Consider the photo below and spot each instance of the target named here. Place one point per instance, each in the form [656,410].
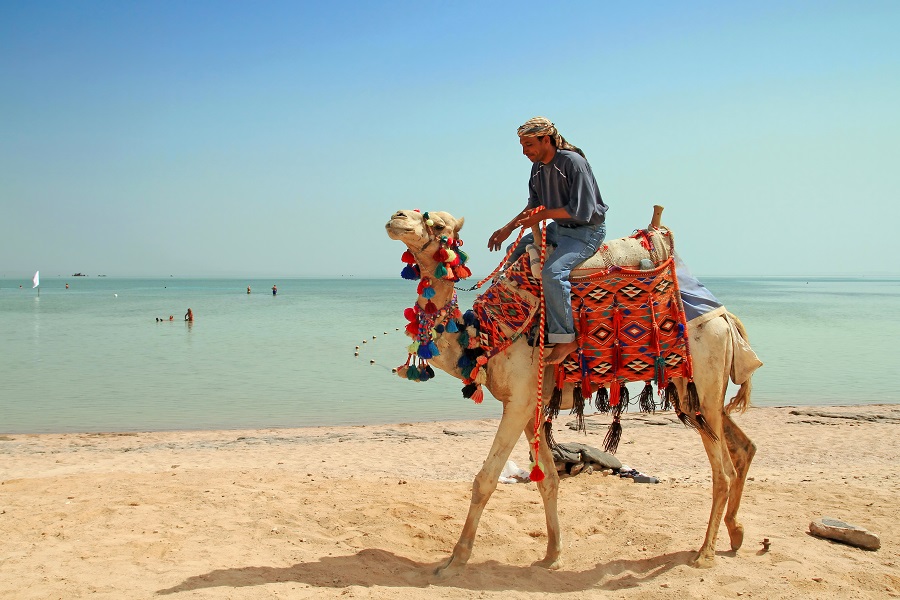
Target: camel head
[422,238]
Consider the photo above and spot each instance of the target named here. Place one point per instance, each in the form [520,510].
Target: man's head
[540,140]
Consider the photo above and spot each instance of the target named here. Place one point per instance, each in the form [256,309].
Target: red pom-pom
[478,397]
[423,283]
[410,314]
[430,308]
[408,257]
[536,474]
[440,255]
[412,328]
[462,271]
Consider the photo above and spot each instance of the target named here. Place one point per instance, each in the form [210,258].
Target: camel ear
[459,225]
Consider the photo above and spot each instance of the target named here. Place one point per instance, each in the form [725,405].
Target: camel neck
[443,294]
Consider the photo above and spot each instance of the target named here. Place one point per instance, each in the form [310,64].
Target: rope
[539,408]
[502,264]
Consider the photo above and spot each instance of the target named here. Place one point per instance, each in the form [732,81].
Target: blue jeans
[575,246]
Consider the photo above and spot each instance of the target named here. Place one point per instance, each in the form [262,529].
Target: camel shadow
[376,567]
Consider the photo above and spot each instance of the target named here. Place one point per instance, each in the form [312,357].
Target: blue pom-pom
[428,292]
[469,318]
[439,328]
[432,347]
[451,326]
[424,351]
[409,272]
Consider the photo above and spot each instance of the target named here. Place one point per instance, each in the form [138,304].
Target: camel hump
[655,245]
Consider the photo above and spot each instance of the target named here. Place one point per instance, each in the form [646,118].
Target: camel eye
[438,226]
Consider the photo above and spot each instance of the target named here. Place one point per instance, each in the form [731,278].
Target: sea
[113,354]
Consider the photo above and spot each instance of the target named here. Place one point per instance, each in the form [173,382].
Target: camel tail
[741,401]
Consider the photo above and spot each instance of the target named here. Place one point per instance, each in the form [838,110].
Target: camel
[512,378]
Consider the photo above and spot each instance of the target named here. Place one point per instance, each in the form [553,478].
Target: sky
[275,139]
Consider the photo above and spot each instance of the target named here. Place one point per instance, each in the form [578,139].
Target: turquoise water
[94,358]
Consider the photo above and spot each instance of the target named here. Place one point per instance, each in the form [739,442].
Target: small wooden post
[657,216]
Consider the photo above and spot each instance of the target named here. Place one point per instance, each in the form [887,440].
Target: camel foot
[736,534]
[449,568]
[551,564]
[704,560]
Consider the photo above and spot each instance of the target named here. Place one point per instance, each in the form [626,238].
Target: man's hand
[498,237]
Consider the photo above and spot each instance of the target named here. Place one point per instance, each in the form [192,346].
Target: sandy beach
[369,511]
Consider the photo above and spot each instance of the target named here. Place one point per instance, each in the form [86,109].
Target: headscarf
[541,126]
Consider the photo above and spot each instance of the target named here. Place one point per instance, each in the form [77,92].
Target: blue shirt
[567,182]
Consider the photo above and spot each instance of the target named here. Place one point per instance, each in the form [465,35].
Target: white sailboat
[37,281]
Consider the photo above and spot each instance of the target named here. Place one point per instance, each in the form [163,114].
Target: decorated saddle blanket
[631,323]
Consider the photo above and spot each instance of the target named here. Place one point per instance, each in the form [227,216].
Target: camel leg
[511,425]
[722,475]
[549,488]
[741,450]
[711,352]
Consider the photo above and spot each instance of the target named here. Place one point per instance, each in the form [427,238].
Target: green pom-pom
[440,271]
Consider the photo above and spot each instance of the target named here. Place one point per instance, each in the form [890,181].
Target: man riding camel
[562,184]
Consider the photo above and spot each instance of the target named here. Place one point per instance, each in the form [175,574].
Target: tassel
[423,372]
[410,314]
[548,435]
[470,318]
[624,398]
[428,293]
[412,328]
[536,473]
[601,400]
[409,272]
[440,271]
[463,257]
[412,373]
[452,259]
[424,351]
[664,402]
[451,326]
[692,401]
[430,372]
[478,396]
[552,408]
[645,400]
[408,257]
[440,255]
[430,308]
[432,347]
[614,393]
[578,408]
[672,396]
[613,436]
[462,271]
[468,390]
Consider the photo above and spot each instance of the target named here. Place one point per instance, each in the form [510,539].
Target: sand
[368,512]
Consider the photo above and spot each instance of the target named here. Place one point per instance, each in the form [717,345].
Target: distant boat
[79,275]
[37,281]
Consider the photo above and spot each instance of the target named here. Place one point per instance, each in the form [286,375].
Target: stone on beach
[840,531]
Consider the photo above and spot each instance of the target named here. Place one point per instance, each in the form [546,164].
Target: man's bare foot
[560,352]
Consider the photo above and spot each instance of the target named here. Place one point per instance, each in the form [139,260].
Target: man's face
[538,148]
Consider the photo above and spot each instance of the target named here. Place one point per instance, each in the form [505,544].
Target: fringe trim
[645,400]
[578,408]
[601,400]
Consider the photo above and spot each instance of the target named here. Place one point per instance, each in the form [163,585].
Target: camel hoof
[704,561]
[551,564]
[448,569]
[736,534]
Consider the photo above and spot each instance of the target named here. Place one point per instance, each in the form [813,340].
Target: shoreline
[368,510]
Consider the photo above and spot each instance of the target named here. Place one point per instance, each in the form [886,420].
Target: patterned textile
[631,323]
[505,311]
[631,327]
